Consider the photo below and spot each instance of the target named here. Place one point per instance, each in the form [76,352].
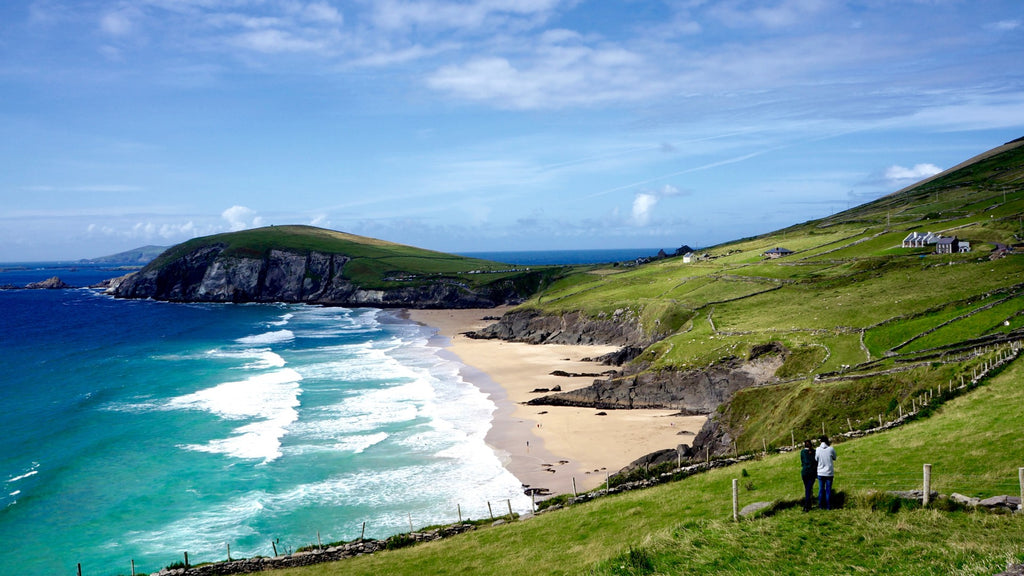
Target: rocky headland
[209,274]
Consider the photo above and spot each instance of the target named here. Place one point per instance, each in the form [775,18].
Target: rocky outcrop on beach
[622,328]
[207,274]
[698,391]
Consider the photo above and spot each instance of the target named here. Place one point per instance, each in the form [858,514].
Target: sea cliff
[209,274]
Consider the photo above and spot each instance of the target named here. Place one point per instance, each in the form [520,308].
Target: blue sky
[484,124]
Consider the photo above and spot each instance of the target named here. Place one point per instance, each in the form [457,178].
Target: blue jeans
[825,492]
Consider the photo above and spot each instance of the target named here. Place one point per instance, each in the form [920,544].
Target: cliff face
[207,275]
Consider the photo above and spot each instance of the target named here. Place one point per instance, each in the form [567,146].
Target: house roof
[778,250]
[947,240]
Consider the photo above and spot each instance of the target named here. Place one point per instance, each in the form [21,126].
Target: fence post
[133,564]
[489,510]
[410,522]
[318,543]
[574,494]
[735,500]
[927,484]
[792,438]
[274,544]
[363,533]
[607,482]
[1020,474]
[459,508]
[509,501]
[228,544]
[79,569]
[186,560]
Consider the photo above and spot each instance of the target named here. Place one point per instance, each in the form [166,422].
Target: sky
[484,125]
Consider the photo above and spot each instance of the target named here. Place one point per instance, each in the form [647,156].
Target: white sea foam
[267,338]
[28,474]
[269,399]
[283,321]
[355,444]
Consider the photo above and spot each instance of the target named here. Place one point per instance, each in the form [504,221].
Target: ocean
[136,430]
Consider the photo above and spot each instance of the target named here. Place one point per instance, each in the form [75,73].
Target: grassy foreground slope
[869,325]
[972,442]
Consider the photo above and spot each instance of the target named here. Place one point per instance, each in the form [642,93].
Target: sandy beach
[549,446]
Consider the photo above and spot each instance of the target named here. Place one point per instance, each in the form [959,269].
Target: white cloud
[555,75]
[241,218]
[643,203]
[1005,25]
[117,23]
[896,174]
[394,14]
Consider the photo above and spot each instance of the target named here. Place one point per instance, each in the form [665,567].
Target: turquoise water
[139,430]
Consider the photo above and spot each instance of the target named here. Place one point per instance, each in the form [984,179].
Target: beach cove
[549,446]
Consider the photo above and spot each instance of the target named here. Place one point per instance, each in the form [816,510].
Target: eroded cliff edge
[208,274]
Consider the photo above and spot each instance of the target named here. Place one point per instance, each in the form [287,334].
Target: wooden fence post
[607,482]
[509,501]
[186,560]
[489,510]
[363,533]
[574,494]
[228,544]
[318,543]
[79,569]
[735,500]
[274,544]
[927,484]
[410,522]
[459,508]
[133,564]
[1020,474]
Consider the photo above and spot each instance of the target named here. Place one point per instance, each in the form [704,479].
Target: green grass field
[684,527]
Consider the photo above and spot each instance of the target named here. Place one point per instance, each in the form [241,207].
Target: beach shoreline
[550,447]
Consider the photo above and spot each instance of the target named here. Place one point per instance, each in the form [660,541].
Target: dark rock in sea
[52,283]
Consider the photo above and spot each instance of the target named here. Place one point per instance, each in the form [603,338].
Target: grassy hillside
[972,442]
[374,263]
[850,300]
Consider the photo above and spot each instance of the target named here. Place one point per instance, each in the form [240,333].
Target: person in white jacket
[825,455]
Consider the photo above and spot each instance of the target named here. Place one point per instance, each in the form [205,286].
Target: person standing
[808,472]
[825,456]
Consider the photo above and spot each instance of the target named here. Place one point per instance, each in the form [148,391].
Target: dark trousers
[808,491]
[825,492]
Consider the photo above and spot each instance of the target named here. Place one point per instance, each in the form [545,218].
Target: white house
[920,239]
